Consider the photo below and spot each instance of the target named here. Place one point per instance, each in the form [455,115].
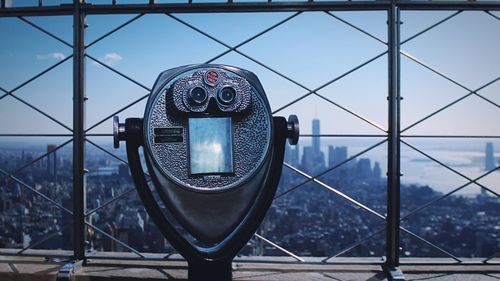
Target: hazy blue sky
[312,48]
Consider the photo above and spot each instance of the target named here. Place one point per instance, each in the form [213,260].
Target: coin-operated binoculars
[214,153]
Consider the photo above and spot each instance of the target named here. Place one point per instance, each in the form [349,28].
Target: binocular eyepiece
[225,97]
[209,92]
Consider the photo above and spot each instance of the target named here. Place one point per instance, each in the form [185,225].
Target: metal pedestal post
[208,270]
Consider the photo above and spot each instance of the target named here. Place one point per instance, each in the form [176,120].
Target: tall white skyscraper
[316,140]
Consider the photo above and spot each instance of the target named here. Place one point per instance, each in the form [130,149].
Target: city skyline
[296,222]
[464,156]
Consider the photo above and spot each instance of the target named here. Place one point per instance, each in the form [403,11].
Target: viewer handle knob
[118,132]
[293,129]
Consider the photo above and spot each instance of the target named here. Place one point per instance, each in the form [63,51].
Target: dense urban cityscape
[305,218]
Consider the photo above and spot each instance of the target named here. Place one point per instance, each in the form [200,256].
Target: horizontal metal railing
[263,6]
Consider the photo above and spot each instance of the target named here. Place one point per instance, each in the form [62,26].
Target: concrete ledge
[100,268]
[36,270]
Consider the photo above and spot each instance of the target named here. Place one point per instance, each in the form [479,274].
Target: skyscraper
[364,168]
[377,171]
[292,155]
[295,156]
[52,161]
[489,158]
[123,171]
[313,159]
[316,140]
[288,153]
[489,162]
[336,155]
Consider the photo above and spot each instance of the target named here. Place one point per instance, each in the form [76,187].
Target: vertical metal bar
[78,131]
[393,163]
[2,4]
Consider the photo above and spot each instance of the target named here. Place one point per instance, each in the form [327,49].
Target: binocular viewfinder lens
[198,96]
[226,96]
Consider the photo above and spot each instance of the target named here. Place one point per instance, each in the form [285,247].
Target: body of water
[464,156]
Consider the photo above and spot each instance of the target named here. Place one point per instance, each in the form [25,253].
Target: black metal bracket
[204,262]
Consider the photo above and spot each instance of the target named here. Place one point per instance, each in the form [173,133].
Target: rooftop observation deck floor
[105,268]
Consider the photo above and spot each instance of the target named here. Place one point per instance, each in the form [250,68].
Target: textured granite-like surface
[250,145]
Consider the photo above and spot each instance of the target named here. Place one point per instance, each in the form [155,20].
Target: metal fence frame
[392,134]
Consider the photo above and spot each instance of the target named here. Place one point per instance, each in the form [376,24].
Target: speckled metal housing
[250,115]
